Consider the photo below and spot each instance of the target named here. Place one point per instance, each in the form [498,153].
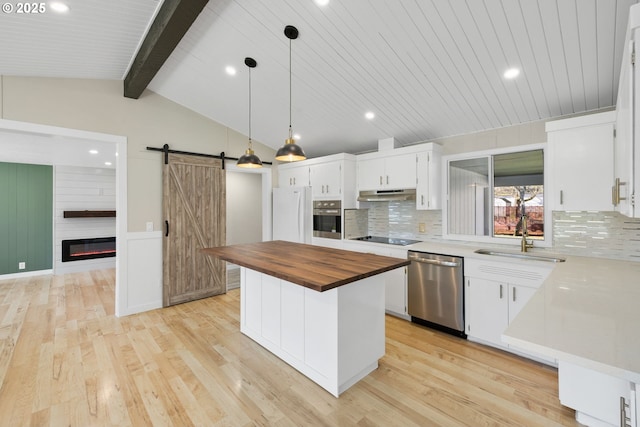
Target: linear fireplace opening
[80,249]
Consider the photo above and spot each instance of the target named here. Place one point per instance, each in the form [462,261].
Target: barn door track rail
[166,150]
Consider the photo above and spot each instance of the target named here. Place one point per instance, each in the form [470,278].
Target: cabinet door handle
[561,198]
[500,291]
[327,188]
[514,294]
[422,199]
[615,192]
[380,179]
[294,180]
[166,224]
[625,421]
[387,179]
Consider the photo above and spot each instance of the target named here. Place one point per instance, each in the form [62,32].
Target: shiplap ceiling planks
[426,68]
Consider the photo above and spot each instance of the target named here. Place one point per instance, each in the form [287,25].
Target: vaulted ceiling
[426,68]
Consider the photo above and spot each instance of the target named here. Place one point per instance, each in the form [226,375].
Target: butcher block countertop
[315,267]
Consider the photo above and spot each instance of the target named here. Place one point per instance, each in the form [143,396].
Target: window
[489,194]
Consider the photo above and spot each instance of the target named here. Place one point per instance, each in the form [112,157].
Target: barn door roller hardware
[166,150]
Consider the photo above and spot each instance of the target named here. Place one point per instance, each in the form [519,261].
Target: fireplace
[80,249]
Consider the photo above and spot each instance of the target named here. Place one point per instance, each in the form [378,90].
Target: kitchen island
[319,309]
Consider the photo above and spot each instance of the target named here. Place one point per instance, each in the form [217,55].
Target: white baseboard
[25,274]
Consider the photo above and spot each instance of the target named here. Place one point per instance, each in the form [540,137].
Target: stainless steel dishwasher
[436,291]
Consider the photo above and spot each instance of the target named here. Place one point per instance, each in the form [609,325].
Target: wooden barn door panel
[194,206]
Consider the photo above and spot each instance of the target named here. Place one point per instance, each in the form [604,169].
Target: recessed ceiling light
[93,151]
[59,7]
[230,70]
[322,3]
[369,115]
[107,163]
[296,136]
[511,73]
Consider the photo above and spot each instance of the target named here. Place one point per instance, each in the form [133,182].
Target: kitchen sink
[520,255]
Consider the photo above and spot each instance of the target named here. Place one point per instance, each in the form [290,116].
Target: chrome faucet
[524,244]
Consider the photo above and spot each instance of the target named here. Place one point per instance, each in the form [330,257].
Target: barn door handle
[166,226]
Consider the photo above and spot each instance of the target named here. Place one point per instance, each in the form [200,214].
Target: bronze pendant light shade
[249,159]
[290,151]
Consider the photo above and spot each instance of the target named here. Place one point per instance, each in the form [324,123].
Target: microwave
[327,219]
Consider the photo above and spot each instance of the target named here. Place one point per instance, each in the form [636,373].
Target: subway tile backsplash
[598,234]
[583,233]
[402,220]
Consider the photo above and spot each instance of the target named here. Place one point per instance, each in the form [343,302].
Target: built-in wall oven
[327,219]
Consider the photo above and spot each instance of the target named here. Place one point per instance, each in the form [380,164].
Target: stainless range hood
[387,195]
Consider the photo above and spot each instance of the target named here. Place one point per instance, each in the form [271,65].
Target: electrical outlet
[149,226]
[422,228]
[22,265]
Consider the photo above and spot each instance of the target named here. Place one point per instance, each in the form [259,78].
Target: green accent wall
[26,217]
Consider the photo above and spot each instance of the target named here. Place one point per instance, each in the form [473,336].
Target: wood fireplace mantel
[89,214]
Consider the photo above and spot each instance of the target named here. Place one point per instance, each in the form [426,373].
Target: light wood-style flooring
[66,360]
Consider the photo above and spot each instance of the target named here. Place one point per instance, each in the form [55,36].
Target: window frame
[446,160]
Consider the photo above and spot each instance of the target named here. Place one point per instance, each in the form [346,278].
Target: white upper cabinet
[293,176]
[386,171]
[429,188]
[326,180]
[626,148]
[580,154]
[330,177]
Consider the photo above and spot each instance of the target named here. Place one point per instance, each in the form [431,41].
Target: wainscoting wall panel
[144,273]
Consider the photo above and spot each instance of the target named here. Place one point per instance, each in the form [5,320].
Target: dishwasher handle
[418,258]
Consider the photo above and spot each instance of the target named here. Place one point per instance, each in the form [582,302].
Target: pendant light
[290,152]
[249,159]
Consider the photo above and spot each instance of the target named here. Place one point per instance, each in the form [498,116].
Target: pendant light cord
[250,107]
[290,102]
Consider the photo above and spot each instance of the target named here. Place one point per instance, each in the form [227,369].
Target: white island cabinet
[334,337]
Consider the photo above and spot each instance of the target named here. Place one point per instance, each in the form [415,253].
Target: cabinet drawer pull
[561,198]
[500,291]
[514,294]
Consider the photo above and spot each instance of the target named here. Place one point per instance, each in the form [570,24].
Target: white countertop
[586,312]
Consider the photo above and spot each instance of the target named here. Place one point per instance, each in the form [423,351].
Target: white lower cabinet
[600,400]
[493,306]
[495,292]
[327,243]
[395,281]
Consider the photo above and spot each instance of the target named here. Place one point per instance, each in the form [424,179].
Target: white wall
[244,208]
[79,189]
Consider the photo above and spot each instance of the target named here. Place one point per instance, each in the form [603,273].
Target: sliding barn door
[194,206]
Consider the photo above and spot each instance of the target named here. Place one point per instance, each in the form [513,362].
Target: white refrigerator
[292,214]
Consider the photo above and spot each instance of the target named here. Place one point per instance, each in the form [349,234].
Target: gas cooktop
[387,240]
